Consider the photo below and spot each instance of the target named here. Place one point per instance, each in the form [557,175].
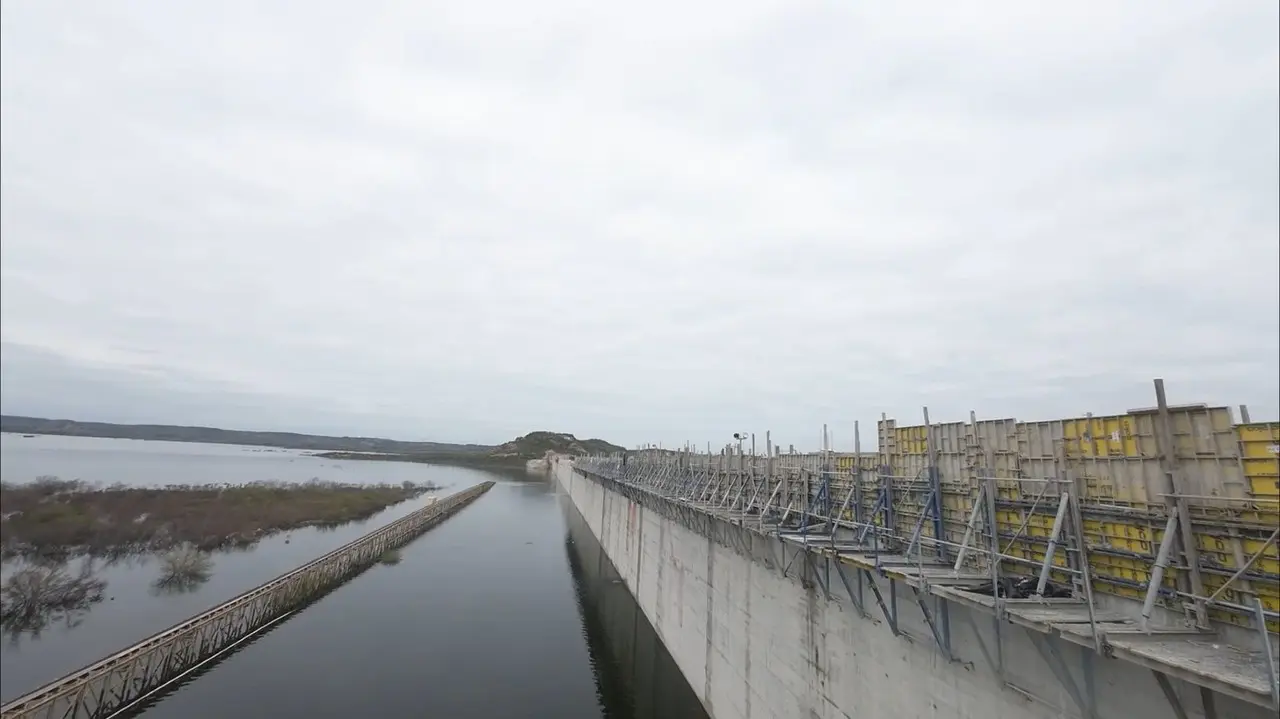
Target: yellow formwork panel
[1101,437]
[866,461]
[912,439]
[1121,535]
[1242,594]
[1260,457]
[1224,550]
[1264,486]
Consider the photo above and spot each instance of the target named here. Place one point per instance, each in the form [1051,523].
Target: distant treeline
[211,435]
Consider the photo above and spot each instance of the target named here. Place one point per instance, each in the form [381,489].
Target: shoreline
[469,458]
[461,459]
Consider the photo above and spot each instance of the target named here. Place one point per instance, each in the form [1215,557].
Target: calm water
[508,609]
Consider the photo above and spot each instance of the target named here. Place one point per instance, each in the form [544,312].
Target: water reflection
[636,677]
[38,594]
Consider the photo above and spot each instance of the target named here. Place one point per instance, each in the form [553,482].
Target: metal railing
[122,680]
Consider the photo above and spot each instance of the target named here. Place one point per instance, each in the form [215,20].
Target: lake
[508,609]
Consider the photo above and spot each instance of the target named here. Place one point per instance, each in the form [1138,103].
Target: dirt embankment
[52,517]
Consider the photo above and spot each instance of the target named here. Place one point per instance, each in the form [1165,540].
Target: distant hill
[210,435]
[515,453]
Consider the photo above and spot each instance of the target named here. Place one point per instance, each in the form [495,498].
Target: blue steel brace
[875,512]
[821,499]
[917,530]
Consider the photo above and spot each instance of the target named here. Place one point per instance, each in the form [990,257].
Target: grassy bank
[53,517]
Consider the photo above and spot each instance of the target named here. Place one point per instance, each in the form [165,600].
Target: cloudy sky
[664,221]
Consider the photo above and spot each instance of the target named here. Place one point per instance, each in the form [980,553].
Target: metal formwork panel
[992,450]
[1039,449]
[997,446]
[887,441]
[1208,450]
[953,444]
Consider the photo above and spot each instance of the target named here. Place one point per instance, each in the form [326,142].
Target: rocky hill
[536,445]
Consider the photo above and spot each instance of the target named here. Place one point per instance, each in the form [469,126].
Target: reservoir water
[508,609]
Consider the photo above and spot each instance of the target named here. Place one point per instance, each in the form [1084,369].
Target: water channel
[508,609]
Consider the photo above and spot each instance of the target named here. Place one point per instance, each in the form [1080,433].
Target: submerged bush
[183,570]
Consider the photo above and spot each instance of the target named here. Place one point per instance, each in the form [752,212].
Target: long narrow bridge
[118,682]
[1118,566]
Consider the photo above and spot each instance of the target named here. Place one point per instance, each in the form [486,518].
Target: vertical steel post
[935,484]
[994,568]
[1175,501]
[857,475]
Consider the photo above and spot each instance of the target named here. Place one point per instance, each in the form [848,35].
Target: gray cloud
[465,221]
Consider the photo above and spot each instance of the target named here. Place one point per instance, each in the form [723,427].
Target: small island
[51,517]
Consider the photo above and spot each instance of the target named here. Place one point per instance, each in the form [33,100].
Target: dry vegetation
[53,517]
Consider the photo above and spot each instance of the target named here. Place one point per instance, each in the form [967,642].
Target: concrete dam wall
[635,674]
[762,626]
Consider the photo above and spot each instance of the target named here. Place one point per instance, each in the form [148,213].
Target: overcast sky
[463,221]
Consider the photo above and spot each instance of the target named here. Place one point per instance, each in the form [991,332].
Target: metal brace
[1053,658]
[944,646]
[854,596]
[891,617]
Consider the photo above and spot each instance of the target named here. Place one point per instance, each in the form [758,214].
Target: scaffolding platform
[1195,656]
